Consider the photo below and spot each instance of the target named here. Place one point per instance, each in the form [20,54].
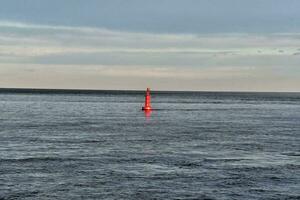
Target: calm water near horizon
[195,145]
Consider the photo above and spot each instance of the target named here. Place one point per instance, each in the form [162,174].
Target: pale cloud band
[82,57]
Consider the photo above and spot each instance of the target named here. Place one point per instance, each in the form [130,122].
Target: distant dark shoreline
[91,91]
[63,91]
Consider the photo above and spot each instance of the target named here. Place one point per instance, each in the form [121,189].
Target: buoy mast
[147,106]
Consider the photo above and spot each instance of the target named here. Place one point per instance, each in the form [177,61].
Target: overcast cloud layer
[43,51]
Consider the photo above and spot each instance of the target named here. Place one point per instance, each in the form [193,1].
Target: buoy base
[146,108]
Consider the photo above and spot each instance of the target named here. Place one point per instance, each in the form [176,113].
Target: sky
[199,45]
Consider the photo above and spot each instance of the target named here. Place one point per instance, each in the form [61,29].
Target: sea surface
[194,145]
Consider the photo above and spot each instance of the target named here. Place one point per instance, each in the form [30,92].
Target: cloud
[66,53]
[44,44]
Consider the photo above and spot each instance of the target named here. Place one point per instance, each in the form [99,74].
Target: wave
[38,159]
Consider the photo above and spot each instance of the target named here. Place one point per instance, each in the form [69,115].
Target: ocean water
[195,145]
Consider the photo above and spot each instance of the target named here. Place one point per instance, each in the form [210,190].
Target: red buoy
[147,106]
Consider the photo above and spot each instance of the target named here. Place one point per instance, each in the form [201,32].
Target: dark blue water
[100,145]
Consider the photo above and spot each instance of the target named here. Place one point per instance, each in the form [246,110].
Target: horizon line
[87,90]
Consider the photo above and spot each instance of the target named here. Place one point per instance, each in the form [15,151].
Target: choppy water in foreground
[100,145]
